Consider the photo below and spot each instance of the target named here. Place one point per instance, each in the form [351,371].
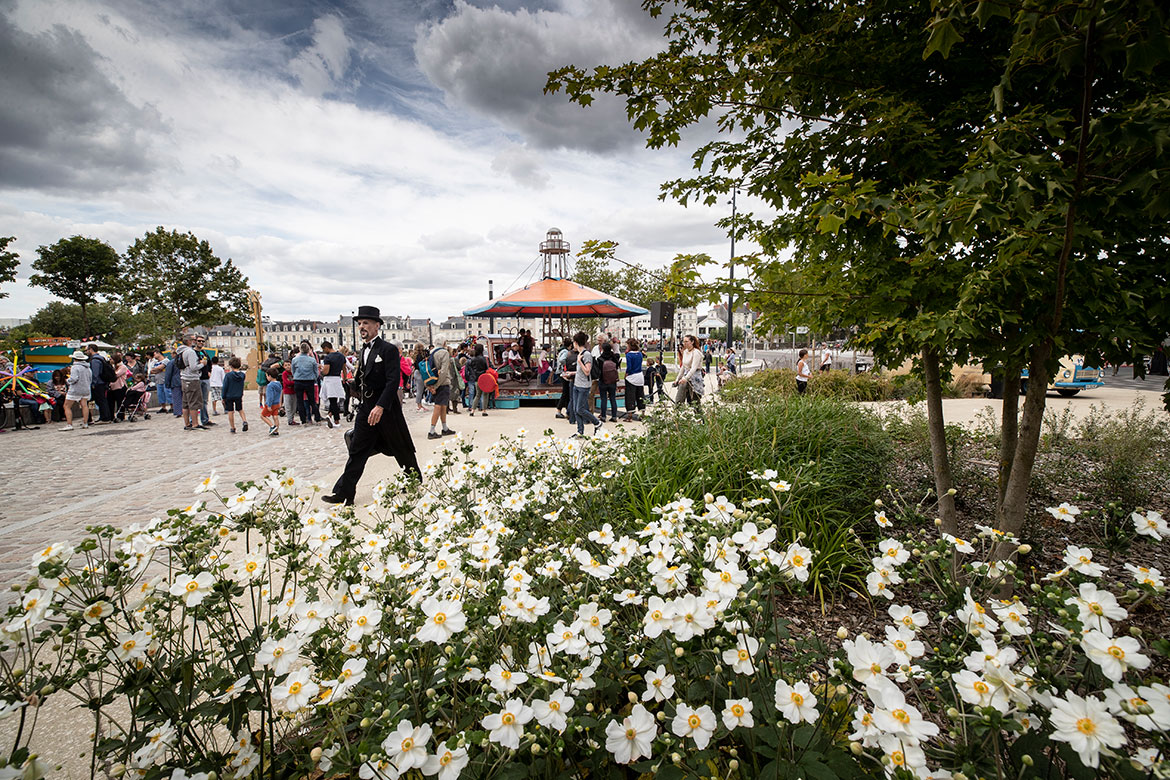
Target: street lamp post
[353,328]
[730,310]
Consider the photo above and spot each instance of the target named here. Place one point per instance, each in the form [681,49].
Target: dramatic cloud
[66,125]
[496,62]
[306,142]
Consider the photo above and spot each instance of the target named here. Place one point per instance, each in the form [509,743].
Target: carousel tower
[554,254]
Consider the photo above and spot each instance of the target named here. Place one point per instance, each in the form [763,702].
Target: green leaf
[830,223]
[943,36]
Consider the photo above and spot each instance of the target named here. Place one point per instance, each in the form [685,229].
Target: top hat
[368,313]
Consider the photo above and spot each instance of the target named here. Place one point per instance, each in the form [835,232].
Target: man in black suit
[380,426]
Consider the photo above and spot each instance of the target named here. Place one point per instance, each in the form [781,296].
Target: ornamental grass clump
[487,624]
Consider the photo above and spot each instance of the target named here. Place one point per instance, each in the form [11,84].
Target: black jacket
[376,382]
[379,376]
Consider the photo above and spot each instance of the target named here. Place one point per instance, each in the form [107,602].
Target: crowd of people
[314,385]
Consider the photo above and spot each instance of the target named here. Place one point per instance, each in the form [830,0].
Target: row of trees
[957,180]
[164,282]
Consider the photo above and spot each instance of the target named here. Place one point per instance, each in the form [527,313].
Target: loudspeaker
[662,315]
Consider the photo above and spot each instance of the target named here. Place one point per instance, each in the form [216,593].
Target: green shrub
[835,455]
[1130,448]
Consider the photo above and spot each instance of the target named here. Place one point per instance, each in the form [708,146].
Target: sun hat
[79,355]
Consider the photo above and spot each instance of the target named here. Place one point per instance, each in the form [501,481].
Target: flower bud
[1026,760]
[660,716]
[1135,631]
[855,748]
[633,697]
[951,491]
[536,748]
[952,712]
[315,754]
[842,633]
[1036,587]
[1024,549]
[679,652]
[938,521]
[675,758]
[733,765]
[365,724]
[409,663]
[878,503]
[589,707]
[1058,645]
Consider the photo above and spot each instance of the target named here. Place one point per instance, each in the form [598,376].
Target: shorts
[442,395]
[233,404]
[192,395]
[270,411]
[216,393]
[76,398]
[801,386]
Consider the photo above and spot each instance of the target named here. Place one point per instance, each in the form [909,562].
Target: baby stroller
[134,403]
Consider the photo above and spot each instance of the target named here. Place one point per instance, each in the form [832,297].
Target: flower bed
[490,625]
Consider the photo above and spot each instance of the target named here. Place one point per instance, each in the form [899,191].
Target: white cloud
[322,66]
[323,201]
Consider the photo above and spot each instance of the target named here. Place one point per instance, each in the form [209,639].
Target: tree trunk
[939,456]
[1009,430]
[1014,504]
[85,322]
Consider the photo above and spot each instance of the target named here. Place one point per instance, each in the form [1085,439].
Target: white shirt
[216,377]
[802,371]
[827,360]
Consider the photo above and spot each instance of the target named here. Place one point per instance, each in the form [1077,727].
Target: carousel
[554,300]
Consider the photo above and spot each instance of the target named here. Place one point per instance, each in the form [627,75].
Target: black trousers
[566,393]
[366,442]
[102,400]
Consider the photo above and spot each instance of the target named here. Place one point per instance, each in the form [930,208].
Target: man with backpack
[190,368]
[437,379]
[607,382]
[104,375]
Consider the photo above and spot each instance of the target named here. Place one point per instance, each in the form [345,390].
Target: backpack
[109,375]
[595,368]
[609,372]
[426,368]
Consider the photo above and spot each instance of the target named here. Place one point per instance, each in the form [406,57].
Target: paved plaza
[55,483]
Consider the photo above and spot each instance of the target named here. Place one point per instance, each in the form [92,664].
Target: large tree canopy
[78,269]
[956,179]
[177,281]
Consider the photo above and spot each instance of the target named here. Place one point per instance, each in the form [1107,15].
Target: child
[651,375]
[233,394]
[270,412]
[216,379]
[289,395]
[262,383]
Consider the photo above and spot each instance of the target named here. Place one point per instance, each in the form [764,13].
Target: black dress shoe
[336,499]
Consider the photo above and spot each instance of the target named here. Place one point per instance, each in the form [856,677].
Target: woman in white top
[690,372]
[826,359]
[803,372]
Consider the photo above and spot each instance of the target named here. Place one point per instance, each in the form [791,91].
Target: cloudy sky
[392,152]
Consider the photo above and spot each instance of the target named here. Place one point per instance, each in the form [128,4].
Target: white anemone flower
[893,551]
[974,690]
[505,680]
[739,658]
[444,619]
[691,618]
[406,746]
[131,646]
[882,519]
[1086,725]
[280,654]
[507,726]
[363,621]
[1146,575]
[867,658]
[738,712]
[633,737]
[446,763]
[1066,512]
[796,702]
[907,617]
[552,713]
[295,691]
[1115,655]
[1146,708]
[1080,560]
[659,685]
[1097,607]
[192,589]
[698,724]
[1151,524]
